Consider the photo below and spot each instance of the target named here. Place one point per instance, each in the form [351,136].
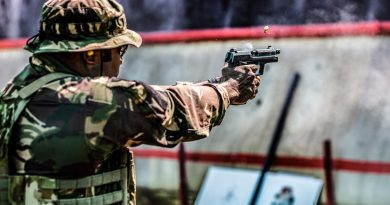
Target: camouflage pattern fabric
[72,126]
[92,117]
[75,26]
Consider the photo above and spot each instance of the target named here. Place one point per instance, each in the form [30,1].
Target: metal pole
[183,178]
[328,168]
[275,138]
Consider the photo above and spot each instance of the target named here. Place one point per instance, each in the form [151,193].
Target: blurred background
[21,17]
[340,48]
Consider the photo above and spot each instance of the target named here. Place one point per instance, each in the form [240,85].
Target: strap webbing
[89,181]
[34,86]
[31,88]
[103,199]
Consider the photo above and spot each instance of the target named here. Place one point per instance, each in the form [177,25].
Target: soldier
[67,121]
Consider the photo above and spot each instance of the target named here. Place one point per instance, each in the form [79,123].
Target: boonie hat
[82,25]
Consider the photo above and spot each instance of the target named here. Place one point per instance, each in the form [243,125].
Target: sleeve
[135,113]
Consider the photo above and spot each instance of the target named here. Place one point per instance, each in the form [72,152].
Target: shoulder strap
[14,110]
[34,86]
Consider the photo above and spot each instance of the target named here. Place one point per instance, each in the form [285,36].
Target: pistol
[256,56]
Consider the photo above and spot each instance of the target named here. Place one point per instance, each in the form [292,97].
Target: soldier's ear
[90,57]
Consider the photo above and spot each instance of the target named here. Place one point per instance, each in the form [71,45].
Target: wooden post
[183,178]
[328,168]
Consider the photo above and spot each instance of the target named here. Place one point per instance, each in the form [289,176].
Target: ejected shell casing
[265,29]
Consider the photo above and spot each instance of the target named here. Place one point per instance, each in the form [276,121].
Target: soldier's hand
[241,83]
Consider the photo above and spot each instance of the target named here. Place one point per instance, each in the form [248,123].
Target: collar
[39,67]
[49,65]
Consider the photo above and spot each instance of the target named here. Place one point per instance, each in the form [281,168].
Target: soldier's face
[111,68]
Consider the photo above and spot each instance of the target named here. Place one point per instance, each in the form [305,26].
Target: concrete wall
[343,95]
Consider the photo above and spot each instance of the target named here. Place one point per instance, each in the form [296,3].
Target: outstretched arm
[138,113]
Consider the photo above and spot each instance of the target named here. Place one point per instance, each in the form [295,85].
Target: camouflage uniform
[73,126]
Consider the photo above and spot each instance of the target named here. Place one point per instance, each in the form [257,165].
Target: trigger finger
[249,68]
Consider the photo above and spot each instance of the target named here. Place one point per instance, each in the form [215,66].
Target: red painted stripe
[281,161]
[12,43]
[277,31]
[362,166]
[372,28]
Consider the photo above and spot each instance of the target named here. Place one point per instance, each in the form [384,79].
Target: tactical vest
[116,186]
